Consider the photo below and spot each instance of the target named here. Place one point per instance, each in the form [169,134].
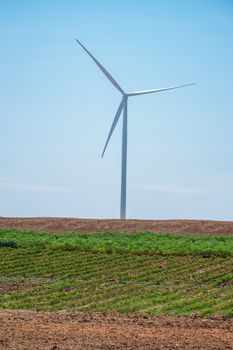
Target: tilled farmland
[191,227]
[108,291]
[61,330]
[74,281]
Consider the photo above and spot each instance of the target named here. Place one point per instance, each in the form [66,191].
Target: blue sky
[56,108]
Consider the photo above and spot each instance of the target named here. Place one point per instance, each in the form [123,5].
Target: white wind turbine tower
[123,107]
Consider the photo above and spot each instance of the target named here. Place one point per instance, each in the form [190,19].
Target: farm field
[130,281]
[188,227]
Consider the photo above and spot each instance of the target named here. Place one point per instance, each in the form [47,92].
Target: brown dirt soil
[62,330]
[192,227]
[16,286]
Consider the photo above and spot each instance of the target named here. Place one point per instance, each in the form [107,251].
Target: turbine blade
[114,123]
[158,90]
[113,81]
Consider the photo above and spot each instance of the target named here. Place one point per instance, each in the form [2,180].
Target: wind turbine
[123,107]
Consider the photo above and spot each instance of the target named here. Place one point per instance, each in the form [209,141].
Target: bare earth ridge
[192,227]
[21,329]
[62,330]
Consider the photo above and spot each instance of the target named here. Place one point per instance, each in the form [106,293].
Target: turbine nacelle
[123,108]
[123,105]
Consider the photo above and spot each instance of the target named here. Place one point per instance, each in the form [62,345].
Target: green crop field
[151,273]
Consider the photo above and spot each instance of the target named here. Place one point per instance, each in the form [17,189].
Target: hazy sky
[56,108]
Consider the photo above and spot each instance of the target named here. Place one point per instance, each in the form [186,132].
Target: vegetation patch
[121,243]
[151,273]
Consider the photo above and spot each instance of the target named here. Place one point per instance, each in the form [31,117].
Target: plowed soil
[36,330]
[21,329]
[192,227]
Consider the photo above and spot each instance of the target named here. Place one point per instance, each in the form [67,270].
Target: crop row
[84,281]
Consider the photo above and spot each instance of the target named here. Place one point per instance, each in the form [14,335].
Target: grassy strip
[120,243]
